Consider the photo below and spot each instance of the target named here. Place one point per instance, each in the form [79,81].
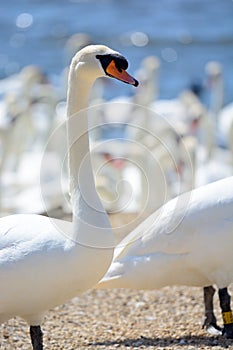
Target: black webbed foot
[210,323]
[227,316]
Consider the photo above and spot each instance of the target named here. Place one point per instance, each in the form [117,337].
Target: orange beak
[112,71]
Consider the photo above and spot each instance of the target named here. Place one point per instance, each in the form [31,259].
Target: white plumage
[188,241]
[44,262]
[41,266]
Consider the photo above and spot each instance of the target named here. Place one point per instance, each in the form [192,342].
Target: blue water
[184,34]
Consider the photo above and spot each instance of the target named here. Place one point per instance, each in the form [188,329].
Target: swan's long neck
[88,213]
[216,99]
[77,126]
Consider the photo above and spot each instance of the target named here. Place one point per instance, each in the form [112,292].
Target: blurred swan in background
[222,115]
[216,162]
[173,141]
[147,141]
[26,124]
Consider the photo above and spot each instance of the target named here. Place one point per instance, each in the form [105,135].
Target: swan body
[188,241]
[44,262]
[42,270]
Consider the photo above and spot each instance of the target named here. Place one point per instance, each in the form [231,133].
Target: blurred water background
[184,34]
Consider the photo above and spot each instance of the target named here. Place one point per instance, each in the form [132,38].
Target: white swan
[43,261]
[188,241]
[222,115]
[213,162]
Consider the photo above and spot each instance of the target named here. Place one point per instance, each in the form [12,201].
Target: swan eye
[120,62]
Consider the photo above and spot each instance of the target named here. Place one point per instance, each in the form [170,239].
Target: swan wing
[178,226]
[187,244]
[28,232]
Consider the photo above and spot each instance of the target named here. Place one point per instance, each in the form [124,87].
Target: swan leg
[210,322]
[36,337]
[225,304]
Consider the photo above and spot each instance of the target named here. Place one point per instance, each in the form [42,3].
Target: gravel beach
[170,318]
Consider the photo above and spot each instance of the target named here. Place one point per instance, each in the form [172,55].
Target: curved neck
[82,185]
[77,125]
[91,226]
[216,98]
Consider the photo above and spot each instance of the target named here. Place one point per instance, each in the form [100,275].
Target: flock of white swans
[169,158]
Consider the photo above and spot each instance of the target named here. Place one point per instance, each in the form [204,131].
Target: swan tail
[109,283]
[114,278]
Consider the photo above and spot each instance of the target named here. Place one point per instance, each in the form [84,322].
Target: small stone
[138,343]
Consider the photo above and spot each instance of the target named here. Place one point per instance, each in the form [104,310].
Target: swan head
[96,61]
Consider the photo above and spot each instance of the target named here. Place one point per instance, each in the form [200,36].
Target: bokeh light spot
[24,20]
[139,39]
[169,55]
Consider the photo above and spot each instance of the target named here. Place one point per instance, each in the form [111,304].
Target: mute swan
[223,116]
[213,162]
[43,261]
[188,241]
[29,114]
